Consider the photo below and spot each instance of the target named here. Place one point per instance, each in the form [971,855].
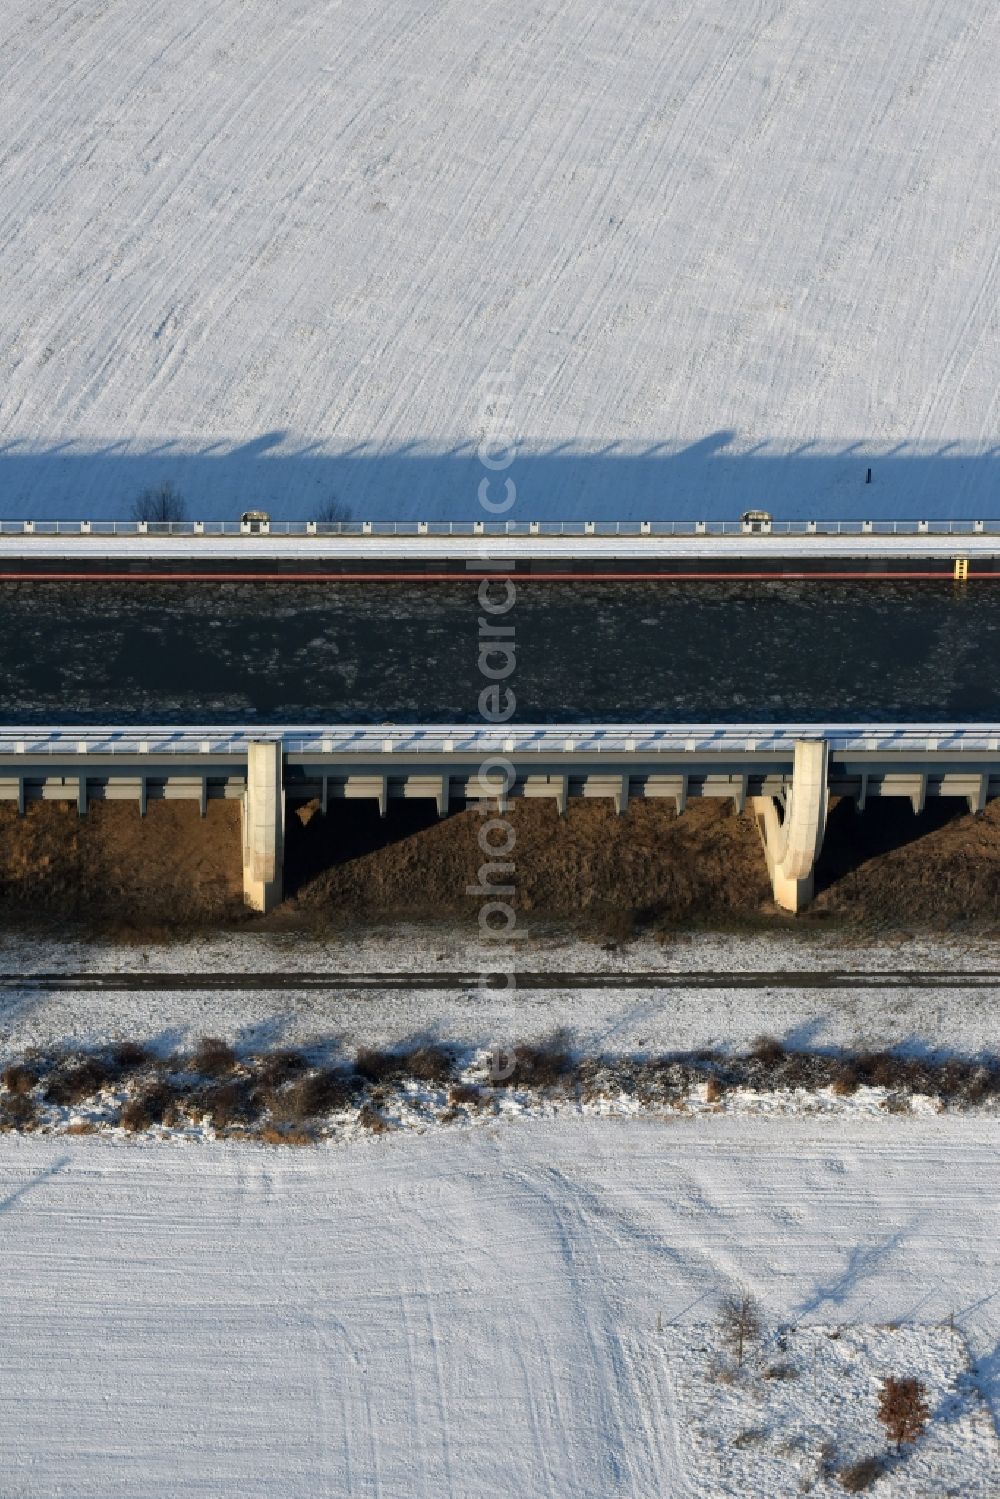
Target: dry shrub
[767,1049]
[126,1056]
[135,1116]
[883,1070]
[430,1064]
[17,1112]
[595,1079]
[226,1104]
[465,1095]
[857,1477]
[370,1118]
[323,1092]
[768,1066]
[846,1079]
[804,1069]
[951,1078]
[80,1127]
[622,1077]
[714,1090]
[73,1082]
[213,1057]
[954,1080]
[149,1107]
[279,1067]
[426,1063]
[668,1078]
[541,1064]
[981,1084]
[376,1065]
[967,1083]
[903,1409]
[19,1078]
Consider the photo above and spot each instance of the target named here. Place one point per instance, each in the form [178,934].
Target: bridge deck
[385,555]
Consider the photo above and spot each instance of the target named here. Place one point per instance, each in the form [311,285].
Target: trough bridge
[775,669]
[785,774]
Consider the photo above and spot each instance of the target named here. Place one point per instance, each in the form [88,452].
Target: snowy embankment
[508,1312]
[912,1017]
[729,255]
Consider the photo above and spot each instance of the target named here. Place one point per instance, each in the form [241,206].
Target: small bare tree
[741,1322]
[334,510]
[903,1409]
[160,502]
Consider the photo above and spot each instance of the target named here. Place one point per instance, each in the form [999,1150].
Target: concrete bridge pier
[263,819]
[792,832]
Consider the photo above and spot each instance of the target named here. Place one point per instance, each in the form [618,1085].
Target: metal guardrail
[472,529]
[481,743]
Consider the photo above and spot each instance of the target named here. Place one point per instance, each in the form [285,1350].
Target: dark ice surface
[237,653]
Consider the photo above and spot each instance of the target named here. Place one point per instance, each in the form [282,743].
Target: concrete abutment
[263,819]
[792,828]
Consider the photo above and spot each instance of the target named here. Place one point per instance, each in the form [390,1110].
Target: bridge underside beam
[141,789]
[616,784]
[621,779]
[792,828]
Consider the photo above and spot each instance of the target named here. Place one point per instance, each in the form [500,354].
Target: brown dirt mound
[884,869]
[171,867]
[589,864]
[607,874]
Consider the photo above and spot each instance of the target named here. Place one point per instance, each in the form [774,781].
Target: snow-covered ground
[522,1311]
[522,1301]
[730,254]
[949,1020]
[804,1409]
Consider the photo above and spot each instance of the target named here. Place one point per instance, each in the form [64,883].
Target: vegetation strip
[300,1095]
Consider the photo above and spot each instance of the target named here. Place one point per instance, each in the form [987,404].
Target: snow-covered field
[508,1304]
[730,253]
[523,1311]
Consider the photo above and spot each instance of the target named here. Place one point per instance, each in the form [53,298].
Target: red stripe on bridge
[475,573]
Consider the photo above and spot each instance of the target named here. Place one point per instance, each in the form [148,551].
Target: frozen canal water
[338,653]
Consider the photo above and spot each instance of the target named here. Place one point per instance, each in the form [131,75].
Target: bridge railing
[481,743]
[472,529]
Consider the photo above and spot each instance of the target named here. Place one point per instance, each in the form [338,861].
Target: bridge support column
[263,827]
[792,842]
